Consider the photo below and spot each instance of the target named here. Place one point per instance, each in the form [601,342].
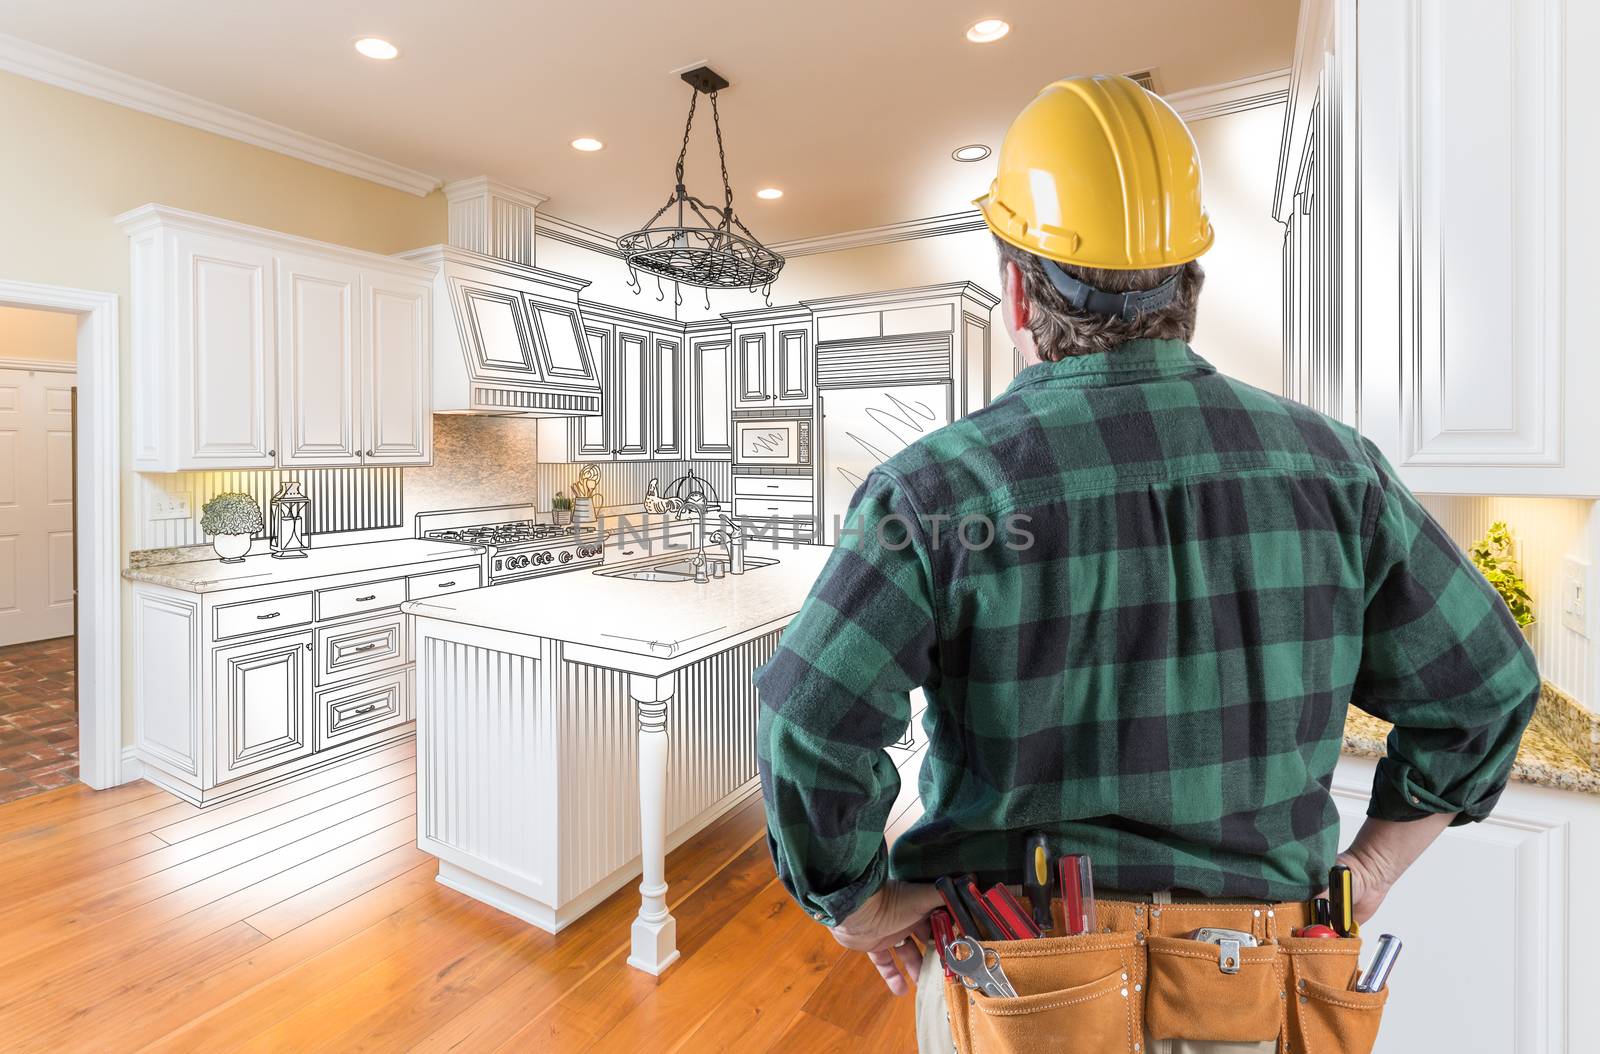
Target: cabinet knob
[272,453]
[308,645]
[372,453]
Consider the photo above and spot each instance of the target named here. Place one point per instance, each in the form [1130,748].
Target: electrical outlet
[1575,595]
[169,507]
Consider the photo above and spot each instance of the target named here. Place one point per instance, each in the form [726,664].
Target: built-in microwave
[772,441]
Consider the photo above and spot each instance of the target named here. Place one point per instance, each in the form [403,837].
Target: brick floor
[38,724]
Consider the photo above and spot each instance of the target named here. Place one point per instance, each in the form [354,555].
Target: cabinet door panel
[753,367]
[631,390]
[227,356]
[668,399]
[594,433]
[710,397]
[563,353]
[794,365]
[263,696]
[496,328]
[319,375]
[397,333]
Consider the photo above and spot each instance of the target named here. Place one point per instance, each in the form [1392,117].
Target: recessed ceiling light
[988,30]
[769,193]
[376,48]
[587,145]
[971,152]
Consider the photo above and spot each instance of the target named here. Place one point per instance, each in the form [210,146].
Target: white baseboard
[132,766]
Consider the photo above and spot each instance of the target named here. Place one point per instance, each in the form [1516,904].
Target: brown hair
[1061,331]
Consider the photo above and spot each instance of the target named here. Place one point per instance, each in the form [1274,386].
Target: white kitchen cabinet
[397,360]
[752,367]
[593,434]
[1434,282]
[710,394]
[772,358]
[264,715]
[254,349]
[791,347]
[630,395]
[319,368]
[666,410]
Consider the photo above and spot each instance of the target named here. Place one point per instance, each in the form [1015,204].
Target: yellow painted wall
[73,162]
[31,334]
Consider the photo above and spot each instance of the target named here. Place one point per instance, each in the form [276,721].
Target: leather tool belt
[1102,992]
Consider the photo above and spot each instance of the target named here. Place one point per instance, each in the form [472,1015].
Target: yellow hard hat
[1098,172]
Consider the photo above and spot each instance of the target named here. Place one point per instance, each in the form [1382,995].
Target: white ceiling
[851,107]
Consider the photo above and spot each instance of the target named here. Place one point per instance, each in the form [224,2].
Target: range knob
[565,556]
[545,558]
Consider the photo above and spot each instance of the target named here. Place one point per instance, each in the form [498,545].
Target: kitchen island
[572,729]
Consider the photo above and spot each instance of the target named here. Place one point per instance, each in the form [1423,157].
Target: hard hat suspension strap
[1127,306]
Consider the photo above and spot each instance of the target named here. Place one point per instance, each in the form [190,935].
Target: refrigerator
[864,426]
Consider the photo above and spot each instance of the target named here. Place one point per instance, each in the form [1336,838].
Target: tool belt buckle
[1228,955]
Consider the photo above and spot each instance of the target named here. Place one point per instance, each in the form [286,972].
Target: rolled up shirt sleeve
[1443,660]
[836,693]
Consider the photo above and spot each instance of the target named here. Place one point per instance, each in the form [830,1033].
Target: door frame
[99,541]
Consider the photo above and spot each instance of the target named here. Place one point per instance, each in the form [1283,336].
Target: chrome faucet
[727,533]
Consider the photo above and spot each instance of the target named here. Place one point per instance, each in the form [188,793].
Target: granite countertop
[642,618]
[259,569]
[1561,748]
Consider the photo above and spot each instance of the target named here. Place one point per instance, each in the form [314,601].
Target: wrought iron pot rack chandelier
[694,243]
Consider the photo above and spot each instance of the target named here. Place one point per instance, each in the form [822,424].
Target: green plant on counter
[561,503]
[231,512]
[1491,554]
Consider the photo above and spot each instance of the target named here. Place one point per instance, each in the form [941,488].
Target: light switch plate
[169,507]
[1575,595]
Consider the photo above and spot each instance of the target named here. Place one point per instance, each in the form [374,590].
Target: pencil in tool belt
[1008,909]
[1341,893]
[1070,874]
[1036,880]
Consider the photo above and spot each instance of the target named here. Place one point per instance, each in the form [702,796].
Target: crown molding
[903,231]
[1219,100]
[44,64]
[557,229]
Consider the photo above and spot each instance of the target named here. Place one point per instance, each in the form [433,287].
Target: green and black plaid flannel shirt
[1159,676]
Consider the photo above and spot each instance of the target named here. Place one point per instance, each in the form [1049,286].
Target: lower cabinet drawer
[355,649]
[773,508]
[353,600]
[259,616]
[772,487]
[442,582]
[350,711]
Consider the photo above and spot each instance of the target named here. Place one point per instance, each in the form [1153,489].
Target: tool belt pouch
[1073,994]
[1324,1015]
[1198,990]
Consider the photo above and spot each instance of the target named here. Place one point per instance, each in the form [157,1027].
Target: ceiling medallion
[692,243]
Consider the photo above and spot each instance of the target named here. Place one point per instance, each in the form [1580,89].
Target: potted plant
[231,518]
[1492,554]
[561,508]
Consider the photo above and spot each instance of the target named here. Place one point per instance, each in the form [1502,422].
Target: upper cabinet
[772,358]
[1432,282]
[253,349]
[710,391]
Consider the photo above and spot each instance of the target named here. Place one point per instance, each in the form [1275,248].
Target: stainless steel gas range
[516,546]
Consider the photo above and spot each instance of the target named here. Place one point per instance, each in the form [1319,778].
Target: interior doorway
[38,550]
[60,539]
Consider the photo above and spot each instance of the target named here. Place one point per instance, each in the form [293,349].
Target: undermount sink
[679,570]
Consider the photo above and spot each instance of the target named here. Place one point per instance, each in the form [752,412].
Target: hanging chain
[694,97]
[722,157]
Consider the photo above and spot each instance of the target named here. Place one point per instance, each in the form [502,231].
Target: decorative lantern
[290,507]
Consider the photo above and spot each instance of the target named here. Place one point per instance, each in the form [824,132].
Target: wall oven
[767,441]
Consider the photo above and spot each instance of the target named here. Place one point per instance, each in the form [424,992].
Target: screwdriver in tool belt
[1036,879]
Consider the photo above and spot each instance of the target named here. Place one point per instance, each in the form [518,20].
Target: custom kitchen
[396,516]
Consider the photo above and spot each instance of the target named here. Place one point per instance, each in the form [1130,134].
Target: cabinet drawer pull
[369,596]
[270,614]
[367,647]
[447,585]
[364,709]
[772,486]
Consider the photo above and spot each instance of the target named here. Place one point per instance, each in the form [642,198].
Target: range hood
[508,337]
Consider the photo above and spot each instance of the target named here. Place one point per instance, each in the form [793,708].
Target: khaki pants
[933,1027]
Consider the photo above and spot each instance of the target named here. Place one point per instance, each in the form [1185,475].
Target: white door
[36,540]
[864,427]
[399,371]
[319,334]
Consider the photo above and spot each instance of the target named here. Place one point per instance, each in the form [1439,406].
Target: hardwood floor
[305,919]
[38,721]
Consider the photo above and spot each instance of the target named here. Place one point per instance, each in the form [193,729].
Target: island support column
[655,931]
